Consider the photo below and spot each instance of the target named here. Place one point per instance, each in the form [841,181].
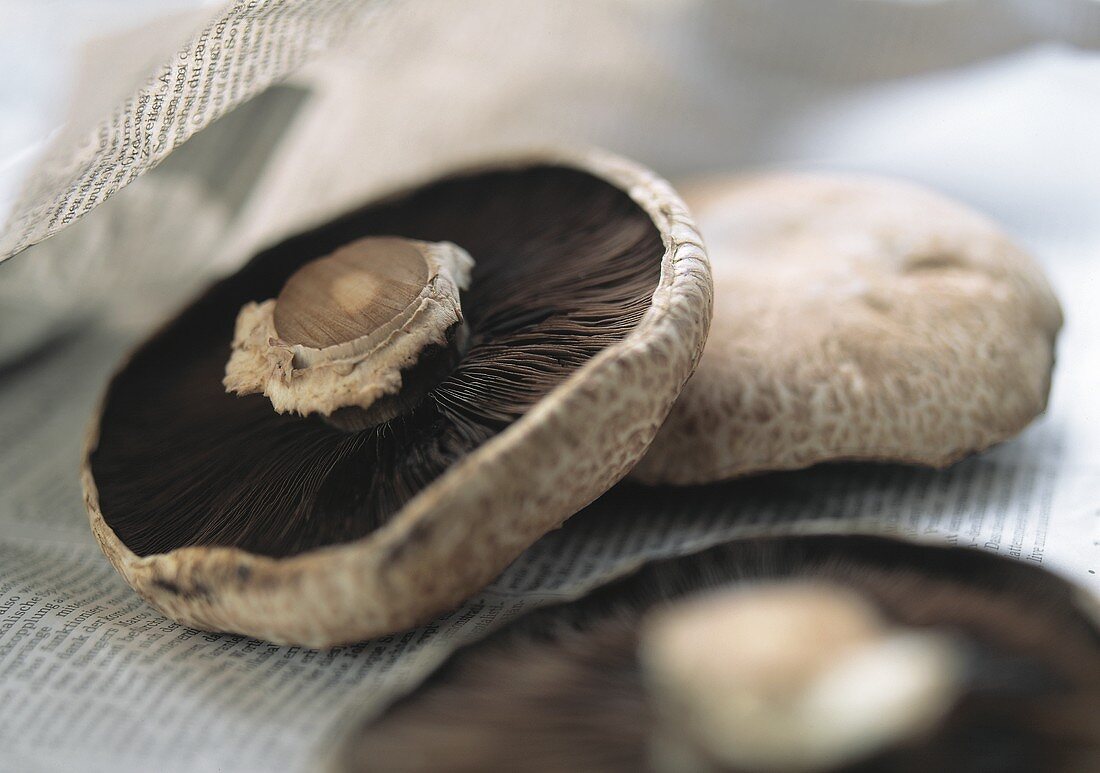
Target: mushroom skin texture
[856,318]
[946,659]
[443,541]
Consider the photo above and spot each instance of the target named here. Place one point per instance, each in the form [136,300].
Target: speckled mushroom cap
[855,318]
[230,517]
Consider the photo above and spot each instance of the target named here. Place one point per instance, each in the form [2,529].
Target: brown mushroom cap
[587,310]
[569,687]
[855,318]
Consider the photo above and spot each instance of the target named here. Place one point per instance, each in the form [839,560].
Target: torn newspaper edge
[242,49]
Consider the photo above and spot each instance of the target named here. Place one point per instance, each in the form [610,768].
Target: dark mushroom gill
[561,689]
[566,265]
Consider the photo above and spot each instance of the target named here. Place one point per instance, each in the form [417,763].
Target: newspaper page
[243,48]
[92,678]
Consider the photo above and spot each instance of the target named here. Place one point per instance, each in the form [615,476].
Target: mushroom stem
[793,677]
[359,336]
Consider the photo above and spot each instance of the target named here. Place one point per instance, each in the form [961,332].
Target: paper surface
[239,51]
[92,678]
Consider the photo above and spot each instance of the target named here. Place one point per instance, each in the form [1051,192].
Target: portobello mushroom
[415,392]
[804,653]
[856,318]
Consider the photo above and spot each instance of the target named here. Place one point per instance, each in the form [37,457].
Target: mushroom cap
[568,687]
[463,527]
[855,318]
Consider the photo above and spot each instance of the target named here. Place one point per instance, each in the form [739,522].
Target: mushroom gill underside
[564,689]
[565,266]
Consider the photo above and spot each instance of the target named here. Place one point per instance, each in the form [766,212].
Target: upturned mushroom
[365,424]
[856,318]
[772,655]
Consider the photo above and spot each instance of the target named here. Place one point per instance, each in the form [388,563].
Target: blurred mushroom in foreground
[446,375]
[799,654]
[855,318]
